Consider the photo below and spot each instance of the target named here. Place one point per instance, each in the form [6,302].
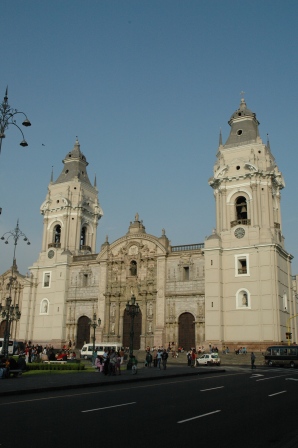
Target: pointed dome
[244,126]
[75,165]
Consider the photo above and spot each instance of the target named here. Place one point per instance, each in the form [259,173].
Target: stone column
[254,211]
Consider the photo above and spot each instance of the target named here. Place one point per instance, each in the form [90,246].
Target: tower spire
[268,142]
[220,138]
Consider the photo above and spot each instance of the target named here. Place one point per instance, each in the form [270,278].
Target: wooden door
[137,328]
[83,334]
[187,338]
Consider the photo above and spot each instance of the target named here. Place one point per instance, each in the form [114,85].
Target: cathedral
[234,289]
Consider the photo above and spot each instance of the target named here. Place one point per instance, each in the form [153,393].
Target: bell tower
[248,271]
[71,210]
[71,213]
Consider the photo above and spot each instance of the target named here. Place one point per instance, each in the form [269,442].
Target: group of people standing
[191,357]
[110,362]
[159,358]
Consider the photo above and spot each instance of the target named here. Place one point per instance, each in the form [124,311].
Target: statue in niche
[244,299]
[133,268]
[150,327]
[113,310]
[44,306]
[115,272]
[150,310]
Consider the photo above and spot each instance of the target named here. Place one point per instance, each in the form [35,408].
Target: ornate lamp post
[132,309]
[7,117]
[94,324]
[10,312]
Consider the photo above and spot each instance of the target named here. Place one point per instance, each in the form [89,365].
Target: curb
[106,383]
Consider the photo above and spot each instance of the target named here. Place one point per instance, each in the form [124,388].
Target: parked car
[208,360]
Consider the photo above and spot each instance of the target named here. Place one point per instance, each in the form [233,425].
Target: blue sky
[146,87]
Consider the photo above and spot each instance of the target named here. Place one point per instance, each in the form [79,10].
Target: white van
[87,349]
[10,346]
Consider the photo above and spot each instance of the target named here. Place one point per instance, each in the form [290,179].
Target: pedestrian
[121,353]
[112,364]
[164,357]
[134,363]
[118,364]
[99,363]
[252,360]
[154,358]
[193,358]
[159,358]
[148,359]
[106,360]
[188,356]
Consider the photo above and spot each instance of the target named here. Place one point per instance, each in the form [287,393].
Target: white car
[208,359]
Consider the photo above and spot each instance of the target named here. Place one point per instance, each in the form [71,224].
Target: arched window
[57,234]
[241,208]
[83,236]
[133,267]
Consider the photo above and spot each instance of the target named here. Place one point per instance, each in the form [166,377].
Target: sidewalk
[27,384]
[177,367]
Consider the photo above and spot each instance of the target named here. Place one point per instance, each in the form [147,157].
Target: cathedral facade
[233,289]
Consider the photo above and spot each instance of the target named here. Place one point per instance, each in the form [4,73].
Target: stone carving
[133,250]
[150,310]
[201,310]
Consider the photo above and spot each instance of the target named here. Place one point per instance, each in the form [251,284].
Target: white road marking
[292,379]
[278,393]
[198,416]
[255,375]
[116,390]
[272,377]
[212,388]
[109,407]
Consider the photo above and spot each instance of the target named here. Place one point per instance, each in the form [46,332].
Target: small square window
[241,265]
[46,279]
[85,279]
[186,273]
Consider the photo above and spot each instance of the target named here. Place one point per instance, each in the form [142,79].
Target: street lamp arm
[7,115]
[23,142]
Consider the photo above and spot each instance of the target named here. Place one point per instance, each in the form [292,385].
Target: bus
[10,346]
[87,349]
[281,355]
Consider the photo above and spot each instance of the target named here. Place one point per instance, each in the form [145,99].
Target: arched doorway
[187,337]
[137,328]
[83,334]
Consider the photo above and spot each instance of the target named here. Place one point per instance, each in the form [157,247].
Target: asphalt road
[231,409]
